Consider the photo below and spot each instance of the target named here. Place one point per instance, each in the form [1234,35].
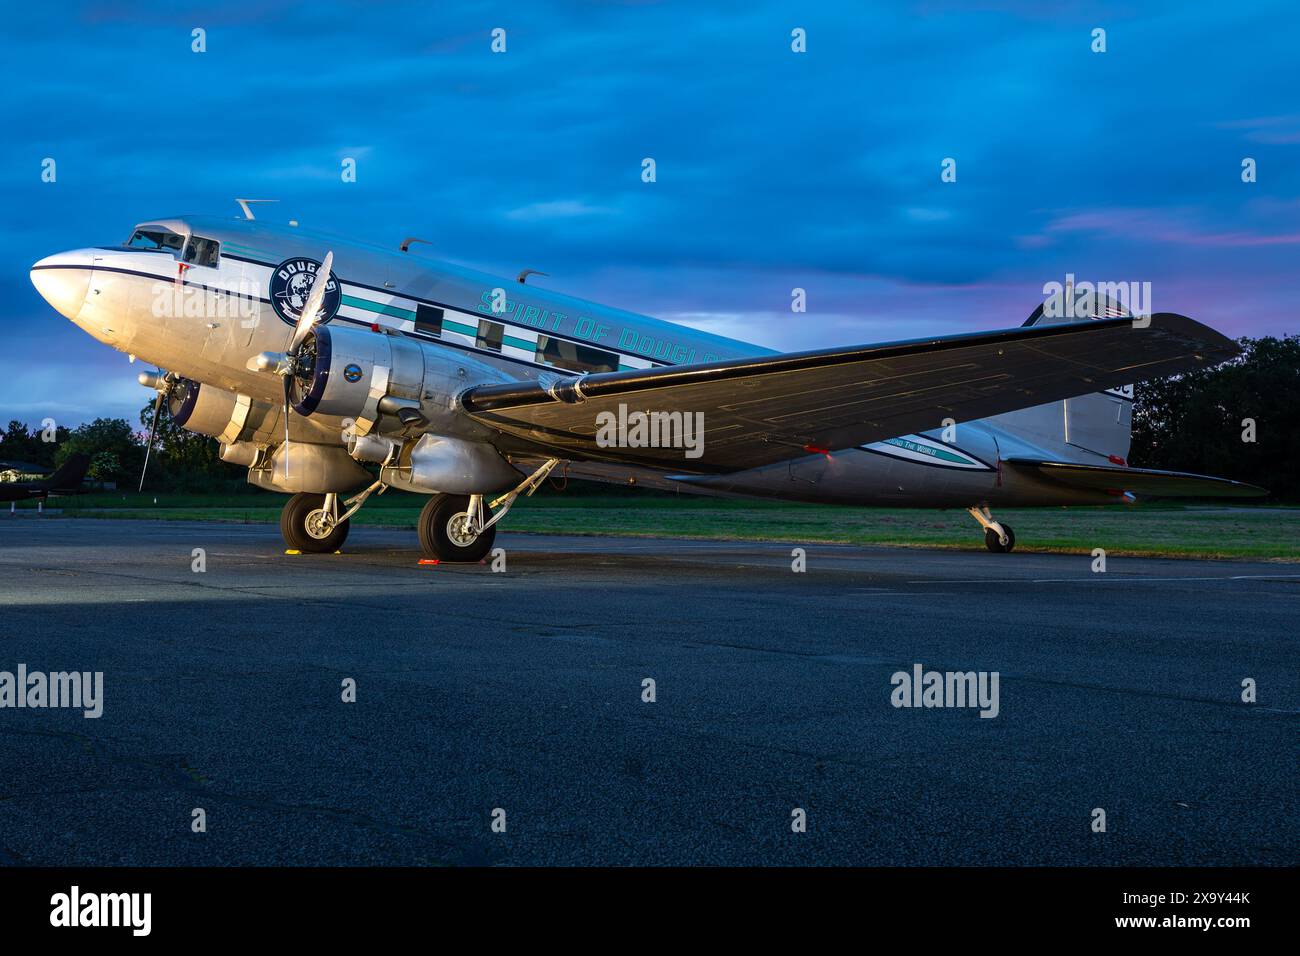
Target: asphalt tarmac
[522,691]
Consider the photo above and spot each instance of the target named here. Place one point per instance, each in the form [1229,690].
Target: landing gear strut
[312,523]
[463,527]
[998,537]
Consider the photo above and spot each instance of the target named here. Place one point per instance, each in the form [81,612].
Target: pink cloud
[1155,225]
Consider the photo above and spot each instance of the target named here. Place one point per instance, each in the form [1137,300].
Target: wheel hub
[319,524]
[458,530]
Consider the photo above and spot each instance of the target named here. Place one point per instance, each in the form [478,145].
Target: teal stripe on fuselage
[927,450]
[246,251]
[396,311]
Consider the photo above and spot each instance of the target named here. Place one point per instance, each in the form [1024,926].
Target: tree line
[1236,420]
[180,461]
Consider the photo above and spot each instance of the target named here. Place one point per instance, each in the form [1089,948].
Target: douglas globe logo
[291,283]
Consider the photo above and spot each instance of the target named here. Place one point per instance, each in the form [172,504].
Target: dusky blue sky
[775,169]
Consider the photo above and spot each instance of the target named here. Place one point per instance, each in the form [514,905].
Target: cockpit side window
[202,252]
[157,240]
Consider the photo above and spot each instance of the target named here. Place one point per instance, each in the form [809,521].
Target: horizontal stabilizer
[1139,481]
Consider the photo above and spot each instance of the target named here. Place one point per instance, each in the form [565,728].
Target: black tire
[293,526]
[435,540]
[994,543]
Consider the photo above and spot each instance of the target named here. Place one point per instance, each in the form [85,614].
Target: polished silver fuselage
[205,322]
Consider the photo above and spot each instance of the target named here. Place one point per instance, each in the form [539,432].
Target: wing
[1139,481]
[770,408]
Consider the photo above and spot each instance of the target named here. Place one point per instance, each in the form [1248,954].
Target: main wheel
[993,542]
[306,527]
[442,531]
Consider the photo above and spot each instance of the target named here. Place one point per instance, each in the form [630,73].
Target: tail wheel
[993,541]
[442,531]
[306,526]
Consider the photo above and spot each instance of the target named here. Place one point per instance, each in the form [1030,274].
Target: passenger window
[490,335]
[156,240]
[574,357]
[428,319]
[203,252]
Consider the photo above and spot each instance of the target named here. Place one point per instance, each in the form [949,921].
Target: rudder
[1097,424]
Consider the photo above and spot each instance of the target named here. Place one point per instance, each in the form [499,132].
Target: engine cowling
[201,408]
[364,375]
[351,369]
[225,415]
[233,418]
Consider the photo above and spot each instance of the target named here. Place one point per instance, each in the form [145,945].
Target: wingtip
[1212,339]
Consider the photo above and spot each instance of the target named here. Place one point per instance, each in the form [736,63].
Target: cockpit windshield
[156,237]
[156,240]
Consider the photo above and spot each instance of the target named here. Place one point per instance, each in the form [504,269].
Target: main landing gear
[463,527]
[312,523]
[998,537]
[451,527]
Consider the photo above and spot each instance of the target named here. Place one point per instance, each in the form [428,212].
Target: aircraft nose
[62,280]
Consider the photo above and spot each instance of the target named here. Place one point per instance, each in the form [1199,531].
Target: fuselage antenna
[248,213]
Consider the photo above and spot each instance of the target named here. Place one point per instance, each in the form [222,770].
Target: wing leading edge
[771,408]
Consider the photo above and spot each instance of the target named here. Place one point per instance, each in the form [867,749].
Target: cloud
[775,169]
[1284,129]
[1173,227]
[558,209]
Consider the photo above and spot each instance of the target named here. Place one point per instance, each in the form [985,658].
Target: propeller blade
[287,386]
[314,300]
[153,430]
[289,367]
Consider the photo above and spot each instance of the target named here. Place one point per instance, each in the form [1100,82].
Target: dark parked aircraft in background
[66,480]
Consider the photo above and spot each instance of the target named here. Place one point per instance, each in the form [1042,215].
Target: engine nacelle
[202,408]
[353,368]
[236,419]
[364,376]
[437,464]
[313,468]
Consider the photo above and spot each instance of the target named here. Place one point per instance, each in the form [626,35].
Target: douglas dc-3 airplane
[472,389]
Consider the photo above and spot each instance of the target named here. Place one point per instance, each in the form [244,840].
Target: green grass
[1201,531]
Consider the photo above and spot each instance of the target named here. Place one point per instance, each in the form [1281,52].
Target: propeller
[288,368]
[164,386]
